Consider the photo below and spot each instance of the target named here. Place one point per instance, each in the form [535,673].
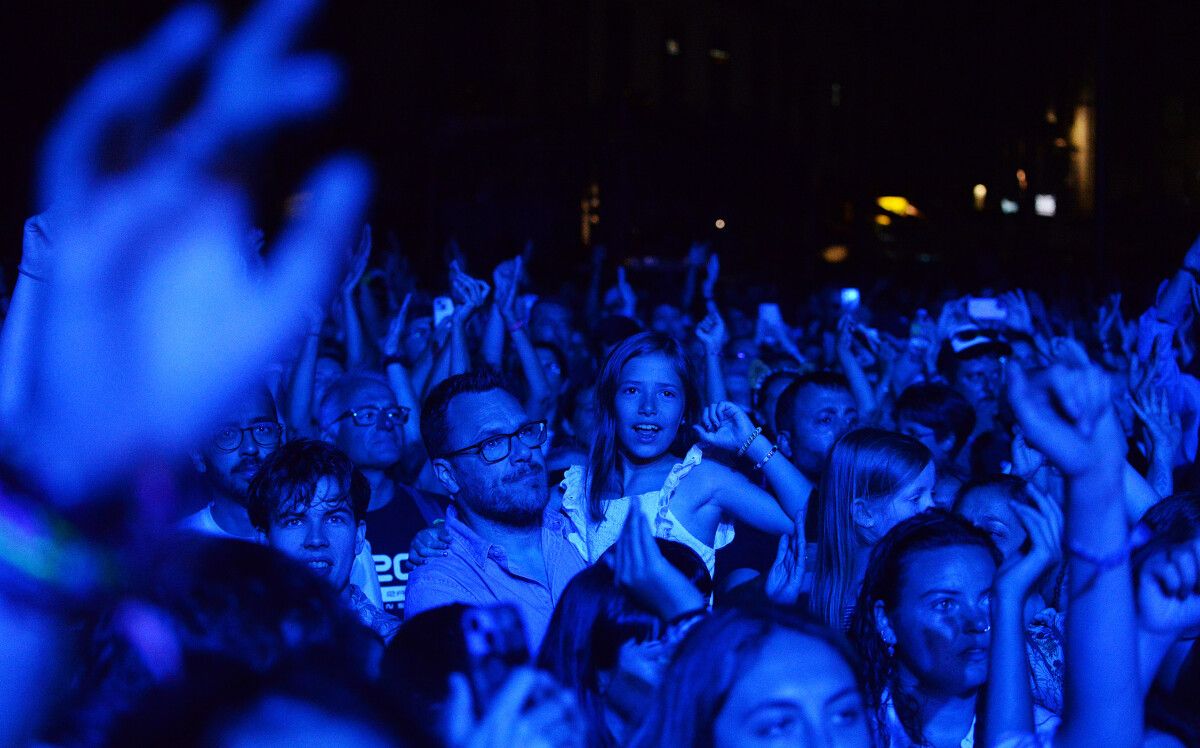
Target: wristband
[1137,538]
[742,449]
[767,458]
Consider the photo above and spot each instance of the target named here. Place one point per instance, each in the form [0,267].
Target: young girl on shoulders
[648,410]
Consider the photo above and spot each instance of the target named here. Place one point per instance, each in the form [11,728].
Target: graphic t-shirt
[391,530]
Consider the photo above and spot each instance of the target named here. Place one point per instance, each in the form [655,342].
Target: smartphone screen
[850,299]
[443,307]
[985,309]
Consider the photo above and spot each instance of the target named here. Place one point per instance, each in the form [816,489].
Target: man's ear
[445,475]
[360,537]
[784,442]
[860,512]
[883,625]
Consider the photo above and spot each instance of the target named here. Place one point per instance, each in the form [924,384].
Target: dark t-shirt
[391,530]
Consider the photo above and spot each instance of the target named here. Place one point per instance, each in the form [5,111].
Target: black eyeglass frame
[278,427]
[477,447]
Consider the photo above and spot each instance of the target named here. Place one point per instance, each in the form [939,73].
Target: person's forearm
[540,396]
[1008,705]
[714,377]
[790,487]
[298,405]
[369,310]
[440,369]
[406,397]
[18,338]
[492,346]
[860,387]
[352,327]
[1152,649]
[1102,691]
[1139,495]
[1173,306]
[1160,475]
[460,358]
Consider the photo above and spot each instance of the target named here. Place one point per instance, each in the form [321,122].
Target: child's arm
[726,425]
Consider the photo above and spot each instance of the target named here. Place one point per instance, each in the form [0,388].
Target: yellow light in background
[719,55]
[672,47]
[980,193]
[894,204]
[835,253]
[883,220]
[719,223]
[1060,142]
[1022,179]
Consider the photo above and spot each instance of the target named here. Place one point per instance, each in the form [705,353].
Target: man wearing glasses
[230,458]
[504,545]
[359,416]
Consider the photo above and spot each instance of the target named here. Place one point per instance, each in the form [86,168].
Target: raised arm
[727,426]
[298,406]
[860,387]
[1066,413]
[19,336]
[1008,710]
[711,332]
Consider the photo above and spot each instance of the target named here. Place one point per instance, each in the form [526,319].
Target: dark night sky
[488,120]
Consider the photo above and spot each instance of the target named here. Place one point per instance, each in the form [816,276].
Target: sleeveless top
[592,538]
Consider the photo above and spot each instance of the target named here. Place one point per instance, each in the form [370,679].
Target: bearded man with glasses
[504,546]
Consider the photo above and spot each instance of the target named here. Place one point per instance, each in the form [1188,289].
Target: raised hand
[625,291]
[640,568]
[1163,426]
[1066,413]
[724,425]
[469,293]
[1017,315]
[391,341]
[507,277]
[785,579]
[531,710]
[1169,590]
[149,292]
[711,330]
[712,271]
[1044,525]
[1026,460]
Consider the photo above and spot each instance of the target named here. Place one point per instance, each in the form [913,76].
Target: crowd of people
[257,495]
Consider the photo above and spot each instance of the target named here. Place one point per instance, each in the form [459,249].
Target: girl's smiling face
[649,406]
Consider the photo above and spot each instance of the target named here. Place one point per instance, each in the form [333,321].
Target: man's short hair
[949,360]
[289,476]
[435,425]
[341,393]
[941,409]
[826,380]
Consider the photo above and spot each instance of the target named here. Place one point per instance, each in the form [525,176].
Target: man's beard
[514,502]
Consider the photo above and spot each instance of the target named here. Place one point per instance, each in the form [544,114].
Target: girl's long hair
[603,474]
[931,530]
[706,667]
[870,464]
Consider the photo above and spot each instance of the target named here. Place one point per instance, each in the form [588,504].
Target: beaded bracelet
[742,450]
[1137,538]
[769,455]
